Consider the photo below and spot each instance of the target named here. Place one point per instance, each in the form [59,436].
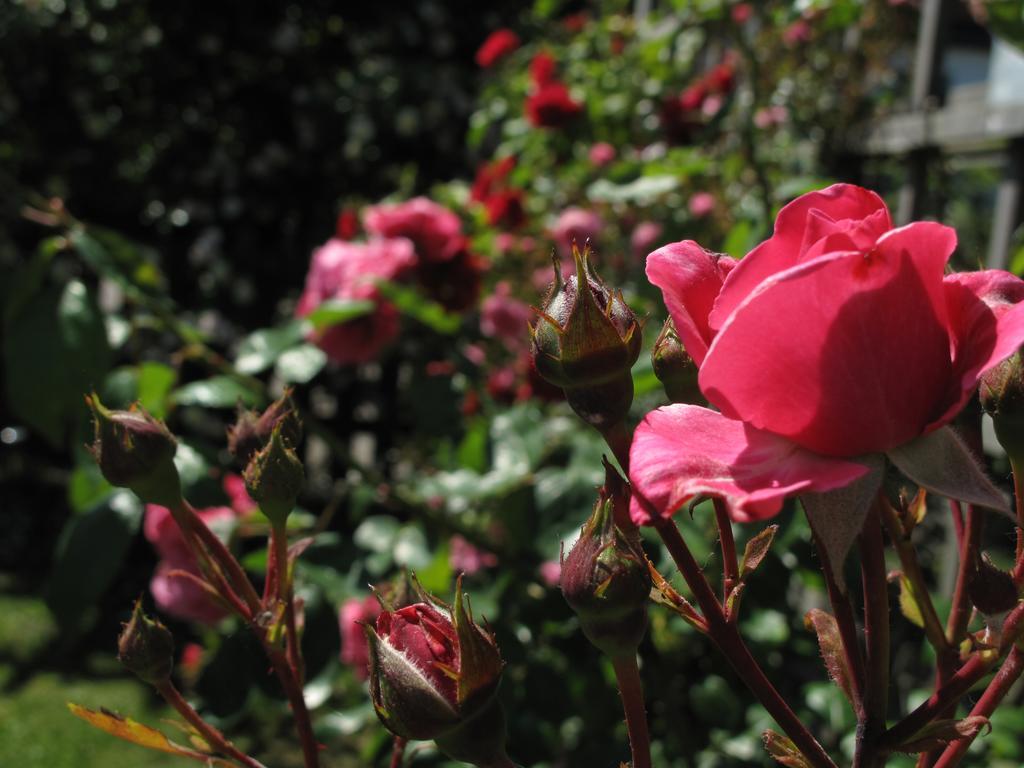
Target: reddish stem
[730,565]
[398,752]
[210,735]
[727,638]
[631,691]
[876,636]
[987,704]
[846,622]
[1018,494]
[960,610]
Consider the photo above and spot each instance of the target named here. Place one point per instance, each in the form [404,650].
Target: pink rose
[348,271]
[797,32]
[430,227]
[468,559]
[241,501]
[505,317]
[551,572]
[601,154]
[499,44]
[355,651]
[741,13]
[644,236]
[576,225]
[701,204]
[767,117]
[173,586]
[835,346]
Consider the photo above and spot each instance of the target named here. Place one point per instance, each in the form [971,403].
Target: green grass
[36,728]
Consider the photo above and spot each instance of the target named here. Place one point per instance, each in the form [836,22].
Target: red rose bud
[146,647]
[135,451]
[605,578]
[252,430]
[990,589]
[586,341]
[433,675]
[274,478]
[674,367]
[1002,396]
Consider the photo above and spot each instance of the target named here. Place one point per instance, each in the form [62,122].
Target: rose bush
[838,339]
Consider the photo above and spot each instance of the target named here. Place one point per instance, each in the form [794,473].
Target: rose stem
[293,691]
[990,699]
[957,513]
[631,690]
[960,609]
[211,735]
[847,625]
[183,511]
[876,634]
[1018,494]
[727,638]
[912,570]
[398,752]
[730,567]
[976,667]
[279,543]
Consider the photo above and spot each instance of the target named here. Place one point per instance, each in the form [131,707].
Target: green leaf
[942,732]
[88,557]
[784,751]
[300,364]
[411,303]
[411,549]
[643,190]
[55,350]
[216,392]
[155,383]
[831,645]
[756,550]
[376,533]
[908,602]
[261,349]
[338,311]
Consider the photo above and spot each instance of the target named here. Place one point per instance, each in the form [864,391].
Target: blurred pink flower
[601,154]
[499,44]
[464,557]
[175,595]
[355,651]
[741,13]
[701,204]
[712,104]
[430,227]
[348,271]
[502,316]
[797,32]
[645,236]
[576,225]
[767,117]
[551,572]
[241,501]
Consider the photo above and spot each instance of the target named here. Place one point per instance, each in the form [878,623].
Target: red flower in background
[542,68]
[576,225]
[505,209]
[453,282]
[347,227]
[173,587]
[355,648]
[551,106]
[430,227]
[497,46]
[490,178]
[349,271]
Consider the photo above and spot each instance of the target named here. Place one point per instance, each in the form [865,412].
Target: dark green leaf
[300,364]
[216,392]
[411,303]
[261,349]
[338,311]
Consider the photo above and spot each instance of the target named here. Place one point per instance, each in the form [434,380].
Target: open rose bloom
[834,347]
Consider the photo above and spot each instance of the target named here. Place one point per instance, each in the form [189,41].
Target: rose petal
[690,279]
[941,463]
[788,247]
[683,451]
[847,354]
[986,325]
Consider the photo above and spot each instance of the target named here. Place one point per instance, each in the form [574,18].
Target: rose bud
[274,478]
[135,451]
[674,367]
[991,589]
[605,578]
[1002,396]
[586,341]
[433,675]
[252,430]
[146,647]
